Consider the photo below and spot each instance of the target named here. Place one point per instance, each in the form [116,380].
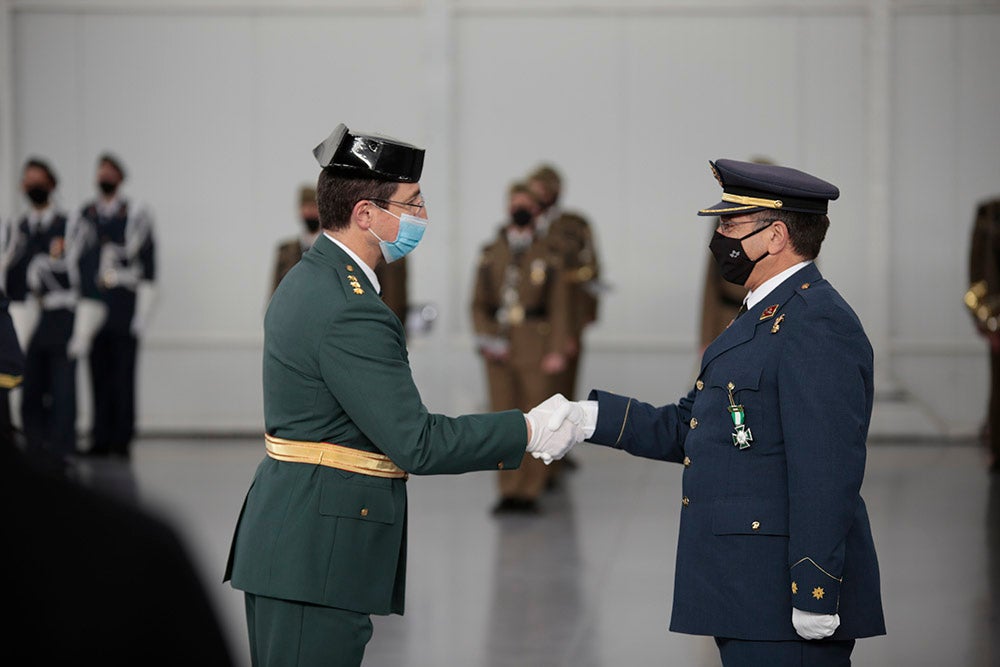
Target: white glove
[145,297]
[25,315]
[89,318]
[556,425]
[811,625]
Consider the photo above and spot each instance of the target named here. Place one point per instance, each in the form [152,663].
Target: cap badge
[715,172]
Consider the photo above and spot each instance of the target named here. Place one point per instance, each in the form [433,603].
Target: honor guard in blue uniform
[775,557]
[320,544]
[41,274]
[120,272]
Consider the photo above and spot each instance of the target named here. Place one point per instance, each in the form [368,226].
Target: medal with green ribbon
[741,434]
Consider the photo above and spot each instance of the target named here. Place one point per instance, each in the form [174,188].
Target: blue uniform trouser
[284,633]
[48,404]
[818,653]
[112,376]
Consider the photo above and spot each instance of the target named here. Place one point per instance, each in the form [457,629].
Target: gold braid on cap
[752,201]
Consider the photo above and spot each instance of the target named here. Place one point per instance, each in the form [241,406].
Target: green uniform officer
[321,540]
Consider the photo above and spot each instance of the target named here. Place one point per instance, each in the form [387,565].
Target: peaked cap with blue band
[371,156]
[748,187]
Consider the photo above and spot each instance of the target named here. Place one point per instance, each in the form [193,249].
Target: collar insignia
[769,312]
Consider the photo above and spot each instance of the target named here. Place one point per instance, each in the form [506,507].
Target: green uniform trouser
[296,634]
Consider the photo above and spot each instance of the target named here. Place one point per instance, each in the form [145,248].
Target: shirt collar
[769,285]
[108,209]
[369,272]
[43,217]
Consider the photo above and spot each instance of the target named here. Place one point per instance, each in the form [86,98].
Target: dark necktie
[743,309]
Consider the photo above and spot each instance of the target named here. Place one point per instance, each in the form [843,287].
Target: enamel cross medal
[741,434]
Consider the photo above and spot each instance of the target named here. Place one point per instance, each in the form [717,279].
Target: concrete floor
[589,582]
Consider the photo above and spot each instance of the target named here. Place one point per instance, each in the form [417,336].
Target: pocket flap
[357,501]
[750,516]
[740,379]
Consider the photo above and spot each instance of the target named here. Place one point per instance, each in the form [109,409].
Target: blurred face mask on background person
[108,188]
[38,195]
[521,217]
[311,223]
[411,230]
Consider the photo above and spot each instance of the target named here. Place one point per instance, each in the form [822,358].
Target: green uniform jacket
[336,370]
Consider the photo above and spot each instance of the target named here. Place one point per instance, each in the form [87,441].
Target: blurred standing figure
[41,275]
[393,277]
[570,238]
[983,299]
[11,372]
[119,269]
[520,312]
[290,251]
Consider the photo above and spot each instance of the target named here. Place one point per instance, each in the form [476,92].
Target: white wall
[216,105]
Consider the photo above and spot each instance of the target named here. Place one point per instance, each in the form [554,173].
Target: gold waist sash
[332,456]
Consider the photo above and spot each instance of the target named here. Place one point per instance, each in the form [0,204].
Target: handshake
[556,425]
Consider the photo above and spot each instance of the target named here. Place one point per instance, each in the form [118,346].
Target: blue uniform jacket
[780,523]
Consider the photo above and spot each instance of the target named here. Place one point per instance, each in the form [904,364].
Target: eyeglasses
[727,227]
[420,204]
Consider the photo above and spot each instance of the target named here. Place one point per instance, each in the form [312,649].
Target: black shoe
[506,506]
[529,507]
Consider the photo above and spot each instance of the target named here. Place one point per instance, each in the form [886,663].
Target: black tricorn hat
[749,186]
[371,155]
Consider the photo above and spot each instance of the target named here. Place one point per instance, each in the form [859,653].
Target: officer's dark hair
[338,190]
[39,163]
[806,231]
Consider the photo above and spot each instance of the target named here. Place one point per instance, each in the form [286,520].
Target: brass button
[699,385]
[500,465]
[349,267]
[364,511]
[694,423]
[805,285]
[685,501]
[687,462]
[755,525]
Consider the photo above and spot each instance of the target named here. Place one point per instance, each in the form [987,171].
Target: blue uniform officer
[775,557]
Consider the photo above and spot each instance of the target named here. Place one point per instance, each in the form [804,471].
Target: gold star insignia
[795,588]
[818,593]
[358,290]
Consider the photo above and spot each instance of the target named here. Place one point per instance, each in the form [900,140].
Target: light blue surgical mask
[411,230]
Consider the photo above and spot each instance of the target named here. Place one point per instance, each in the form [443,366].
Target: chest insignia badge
[769,312]
[741,434]
[777,323]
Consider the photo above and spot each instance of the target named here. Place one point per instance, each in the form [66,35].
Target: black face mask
[521,217]
[312,224]
[736,267]
[38,194]
[108,187]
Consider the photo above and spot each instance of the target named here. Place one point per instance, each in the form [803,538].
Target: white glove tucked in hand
[556,425]
[89,318]
[811,625]
[145,299]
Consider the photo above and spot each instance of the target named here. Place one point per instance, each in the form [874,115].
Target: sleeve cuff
[813,588]
[611,414]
